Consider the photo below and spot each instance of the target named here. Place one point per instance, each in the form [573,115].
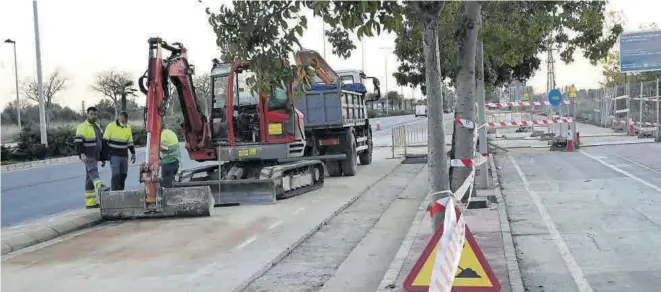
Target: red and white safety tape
[523,103]
[465,123]
[635,123]
[449,247]
[528,123]
[479,160]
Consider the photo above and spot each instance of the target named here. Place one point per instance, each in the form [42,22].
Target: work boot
[90,200]
[101,188]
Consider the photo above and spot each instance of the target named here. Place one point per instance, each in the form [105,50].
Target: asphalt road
[35,193]
[227,251]
[587,220]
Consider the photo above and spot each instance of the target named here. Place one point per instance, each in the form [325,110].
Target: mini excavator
[257,140]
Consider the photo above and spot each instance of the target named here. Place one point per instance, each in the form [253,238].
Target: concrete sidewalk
[490,228]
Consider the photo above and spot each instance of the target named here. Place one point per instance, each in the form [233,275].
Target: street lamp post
[40,84]
[18,105]
[385,62]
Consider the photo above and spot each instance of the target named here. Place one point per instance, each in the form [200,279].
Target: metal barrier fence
[404,137]
[631,107]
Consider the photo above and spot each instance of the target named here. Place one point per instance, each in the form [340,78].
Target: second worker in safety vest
[170,157]
[89,146]
[118,142]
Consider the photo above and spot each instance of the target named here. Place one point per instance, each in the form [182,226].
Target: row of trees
[115,86]
[436,42]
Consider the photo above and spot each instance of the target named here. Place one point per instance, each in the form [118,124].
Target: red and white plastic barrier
[529,123]
[522,103]
[635,123]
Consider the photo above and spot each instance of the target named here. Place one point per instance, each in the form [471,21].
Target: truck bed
[332,108]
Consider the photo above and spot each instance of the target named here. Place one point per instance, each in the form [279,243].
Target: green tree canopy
[267,33]
[514,35]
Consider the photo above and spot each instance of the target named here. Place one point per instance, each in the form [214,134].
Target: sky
[82,38]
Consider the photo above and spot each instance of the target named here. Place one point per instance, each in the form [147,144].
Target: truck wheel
[333,168]
[350,164]
[366,156]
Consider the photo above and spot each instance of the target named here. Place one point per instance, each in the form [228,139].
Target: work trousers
[92,181]
[168,171]
[119,167]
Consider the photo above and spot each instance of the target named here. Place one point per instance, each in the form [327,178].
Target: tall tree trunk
[437,160]
[116,111]
[462,138]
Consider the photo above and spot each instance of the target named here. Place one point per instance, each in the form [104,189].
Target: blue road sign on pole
[640,51]
[555,97]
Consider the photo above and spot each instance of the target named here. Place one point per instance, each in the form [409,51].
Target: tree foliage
[267,33]
[514,34]
[113,85]
[55,83]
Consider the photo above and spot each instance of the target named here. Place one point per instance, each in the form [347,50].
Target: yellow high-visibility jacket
[88,139]
[118,139]
[169,147]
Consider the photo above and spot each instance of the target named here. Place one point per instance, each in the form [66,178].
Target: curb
[390,277]
[45,162]
[307,235]
[513,270]
[19,237]
[38,163]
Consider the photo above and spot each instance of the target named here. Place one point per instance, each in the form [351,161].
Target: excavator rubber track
[271,183]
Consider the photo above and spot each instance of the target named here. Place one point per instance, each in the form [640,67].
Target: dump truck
[278,145]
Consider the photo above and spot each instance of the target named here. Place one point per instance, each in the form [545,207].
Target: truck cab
[352,79]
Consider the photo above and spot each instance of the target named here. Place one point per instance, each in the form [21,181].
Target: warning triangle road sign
[474,273]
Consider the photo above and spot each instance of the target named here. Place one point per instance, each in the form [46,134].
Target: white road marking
[615,168]
[246,242]
[636,163]
[299,210]
[275,224]
[570,262]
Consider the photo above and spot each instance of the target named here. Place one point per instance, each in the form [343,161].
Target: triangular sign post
[474,273]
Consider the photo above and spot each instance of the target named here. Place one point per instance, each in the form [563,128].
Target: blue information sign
[640,51]
[555,97]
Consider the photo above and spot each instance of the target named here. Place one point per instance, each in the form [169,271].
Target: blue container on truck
[336,121]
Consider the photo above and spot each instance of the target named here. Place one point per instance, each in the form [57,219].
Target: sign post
[555,99]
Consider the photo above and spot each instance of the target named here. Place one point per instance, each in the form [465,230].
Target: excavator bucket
[171,202]
[238,192]
[274,183]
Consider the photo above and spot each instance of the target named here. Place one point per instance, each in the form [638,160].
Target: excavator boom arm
[311,58]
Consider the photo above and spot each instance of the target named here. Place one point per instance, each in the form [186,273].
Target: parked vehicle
[420,110]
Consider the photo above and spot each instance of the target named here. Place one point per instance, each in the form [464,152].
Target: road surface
[229,251]
[35,193]
[587,220]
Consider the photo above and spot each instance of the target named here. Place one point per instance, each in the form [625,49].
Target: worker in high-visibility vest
[89,146]
[118,140]
[170,157]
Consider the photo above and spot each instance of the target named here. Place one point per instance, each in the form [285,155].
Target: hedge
[60,144]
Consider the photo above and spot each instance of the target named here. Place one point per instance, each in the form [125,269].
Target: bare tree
[113,85]
[56,82]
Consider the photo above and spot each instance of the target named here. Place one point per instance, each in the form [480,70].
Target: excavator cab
[242,117]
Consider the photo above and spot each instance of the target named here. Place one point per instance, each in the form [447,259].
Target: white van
[420,110]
